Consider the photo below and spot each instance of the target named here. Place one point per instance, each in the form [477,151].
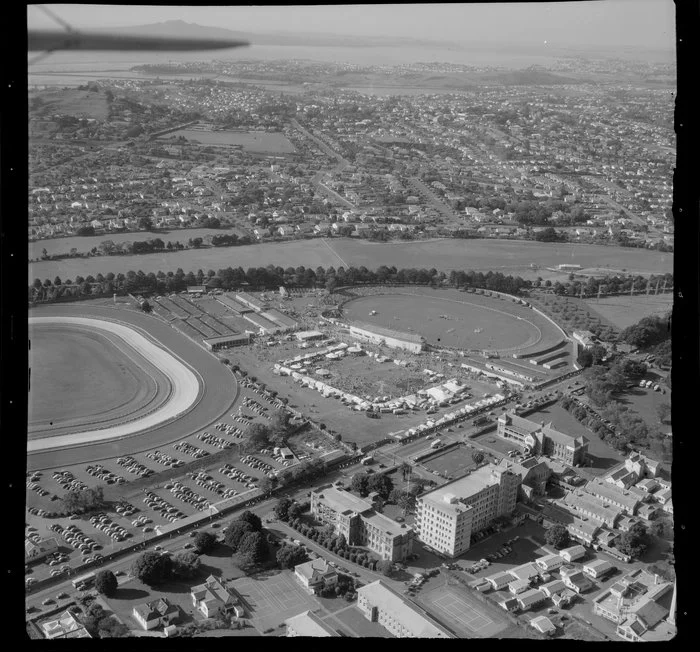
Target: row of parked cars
[98,471]
[165,459]
[255,463]
[113,530]
[126,509]
[255,407]
[37,488]
[233,473]
[158,504]
[187,495]
[68,481]
[189,449]
[212,440]
[78,540]
[132,466]
[230,430]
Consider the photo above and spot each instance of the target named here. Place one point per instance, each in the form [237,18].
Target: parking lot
[160,504]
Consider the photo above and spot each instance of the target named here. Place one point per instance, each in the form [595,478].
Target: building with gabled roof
[156,613]
[627,501]
[212,597]
[383,605]
[543,439]
[308,624]
[65,626]
[316,574]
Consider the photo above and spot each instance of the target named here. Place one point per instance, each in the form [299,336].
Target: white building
[447,517]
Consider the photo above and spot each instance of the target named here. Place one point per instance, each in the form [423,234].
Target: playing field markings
[462,612]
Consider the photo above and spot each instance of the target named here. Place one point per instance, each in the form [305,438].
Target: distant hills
[182,29]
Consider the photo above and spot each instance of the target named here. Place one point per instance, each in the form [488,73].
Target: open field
[271,599]
[78,374]
[505,256]
[183,393]
[218,390]
[60,246]
[623,311]
[254,141]
[452,463]
[81,104]
[450,318]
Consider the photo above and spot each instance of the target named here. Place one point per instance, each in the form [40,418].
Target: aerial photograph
[350,321]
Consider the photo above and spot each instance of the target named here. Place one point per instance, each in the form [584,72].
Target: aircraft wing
[62,40]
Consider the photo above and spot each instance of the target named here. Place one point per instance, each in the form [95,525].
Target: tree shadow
[221,550]
[130,594]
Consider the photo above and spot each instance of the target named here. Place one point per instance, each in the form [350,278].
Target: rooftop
[414,620]
[308,624]
[387,332]
[448,496]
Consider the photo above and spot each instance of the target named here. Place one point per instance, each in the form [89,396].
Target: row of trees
[267,277]
[154,568]
[648,332]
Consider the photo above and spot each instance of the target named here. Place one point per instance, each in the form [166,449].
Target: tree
[253,519]
[385,567]
[106,583]
[405,470]
[205,542]
[359,482]
[664,412]
[186,564]
[253,545]
[380,483]
[295,511]
[235,532]
[152,568]
[282,508]
[407,501]
[145,223]
[557,536]
[477,457]
[633,542]
[258,436]
[146,307]
[290,556]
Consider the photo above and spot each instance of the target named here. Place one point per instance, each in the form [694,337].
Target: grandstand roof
[388,332]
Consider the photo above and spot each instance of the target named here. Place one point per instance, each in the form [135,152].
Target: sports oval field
[447,318]
[82,377]
[216,389]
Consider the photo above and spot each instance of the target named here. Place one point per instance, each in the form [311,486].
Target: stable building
[227,341]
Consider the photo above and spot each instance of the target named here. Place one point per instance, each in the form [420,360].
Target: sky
[644,24]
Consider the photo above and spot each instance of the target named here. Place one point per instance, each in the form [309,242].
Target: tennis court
[454,609]
[273,599]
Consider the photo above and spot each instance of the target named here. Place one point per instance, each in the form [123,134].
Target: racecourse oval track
[214,398]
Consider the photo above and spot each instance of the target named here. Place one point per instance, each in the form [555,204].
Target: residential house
[212,597]
[564,599]
[531,598]
[500,580]
[316,574]
[572,553]
[549,562]
[519,586]
[598,568]
[156,613]
[543,625]
[65,626]
[552,588]
[583,530]
[576,581]
[528,571]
